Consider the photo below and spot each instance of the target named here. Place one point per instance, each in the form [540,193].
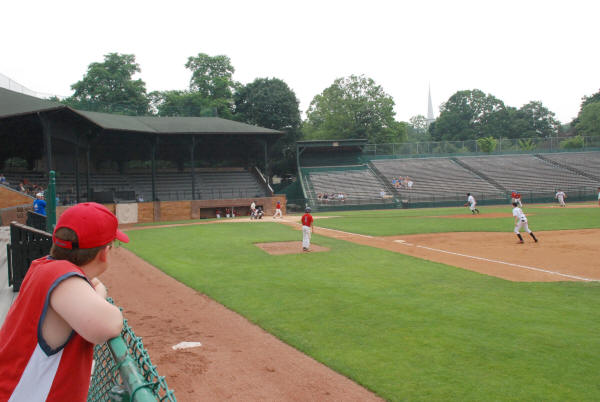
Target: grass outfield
[405,328]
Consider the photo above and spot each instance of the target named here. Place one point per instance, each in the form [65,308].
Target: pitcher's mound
[288,247]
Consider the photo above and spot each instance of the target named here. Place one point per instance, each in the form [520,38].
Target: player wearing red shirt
[307,229]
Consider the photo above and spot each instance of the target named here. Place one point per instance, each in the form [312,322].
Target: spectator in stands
[382,193]
[47,340]
[39,205]
[140,198]
[3,180]
[22,187]
[409,183]
[218,213]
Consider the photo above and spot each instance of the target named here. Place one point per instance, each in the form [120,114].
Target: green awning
[16,104]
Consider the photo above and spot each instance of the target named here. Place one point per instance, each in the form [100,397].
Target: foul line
[511,264]
[348,233]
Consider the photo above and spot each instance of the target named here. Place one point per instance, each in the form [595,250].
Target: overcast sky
[518,51]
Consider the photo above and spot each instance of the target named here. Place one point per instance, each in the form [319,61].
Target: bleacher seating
[588,162]
[170,186]
[526,173]
[358,186]
[434,178]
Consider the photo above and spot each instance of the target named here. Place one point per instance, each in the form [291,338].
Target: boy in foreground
[48,337]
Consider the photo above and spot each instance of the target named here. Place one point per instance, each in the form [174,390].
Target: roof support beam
[154,146]
[47,140]
[193,170]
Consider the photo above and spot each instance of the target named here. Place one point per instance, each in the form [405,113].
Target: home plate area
[288,247]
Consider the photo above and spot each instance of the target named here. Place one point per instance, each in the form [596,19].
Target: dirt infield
[288,247]
[238,361]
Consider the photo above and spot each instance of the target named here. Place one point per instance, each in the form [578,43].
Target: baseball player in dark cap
[307,229]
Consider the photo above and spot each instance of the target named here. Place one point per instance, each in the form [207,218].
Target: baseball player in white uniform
[472,204]
[521,222]
[560,196]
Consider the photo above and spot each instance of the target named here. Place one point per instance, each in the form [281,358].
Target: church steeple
[430,117]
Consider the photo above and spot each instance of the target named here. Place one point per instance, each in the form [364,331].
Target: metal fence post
[51,201]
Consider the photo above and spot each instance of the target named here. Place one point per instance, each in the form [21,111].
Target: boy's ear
[103,254]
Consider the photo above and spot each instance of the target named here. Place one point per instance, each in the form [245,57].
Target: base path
[563,255]
[238,361]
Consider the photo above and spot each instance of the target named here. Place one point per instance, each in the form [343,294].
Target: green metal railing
[123,372]
[503,146]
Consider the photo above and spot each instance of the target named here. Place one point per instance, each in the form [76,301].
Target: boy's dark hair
[515,204]
[78,256]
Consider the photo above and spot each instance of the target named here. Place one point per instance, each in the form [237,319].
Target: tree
[109,87]
[487,144]
[212,78]
[468,115]
[180,103]
[586,100]
[353,107]
[533,120]
[589,120]
[270,103]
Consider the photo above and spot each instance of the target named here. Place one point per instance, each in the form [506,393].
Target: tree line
[352,107]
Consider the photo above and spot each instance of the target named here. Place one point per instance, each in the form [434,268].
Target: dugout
[82,145]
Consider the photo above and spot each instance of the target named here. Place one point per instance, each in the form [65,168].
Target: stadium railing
[470,147]
[36,220]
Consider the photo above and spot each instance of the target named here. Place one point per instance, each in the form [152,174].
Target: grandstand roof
[13,104]
[16,104]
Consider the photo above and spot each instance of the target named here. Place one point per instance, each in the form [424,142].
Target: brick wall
[12,198]
[18,214]
[175,210]
[183,210]
[145,212]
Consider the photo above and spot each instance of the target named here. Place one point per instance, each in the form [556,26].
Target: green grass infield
[405,328]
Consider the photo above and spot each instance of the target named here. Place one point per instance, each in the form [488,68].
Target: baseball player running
[472,204]
[560,196]
[521,222]
[307,229]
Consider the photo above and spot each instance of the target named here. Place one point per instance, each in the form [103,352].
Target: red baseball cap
[93,223]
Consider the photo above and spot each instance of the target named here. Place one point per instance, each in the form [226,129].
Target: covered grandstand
[115,158]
